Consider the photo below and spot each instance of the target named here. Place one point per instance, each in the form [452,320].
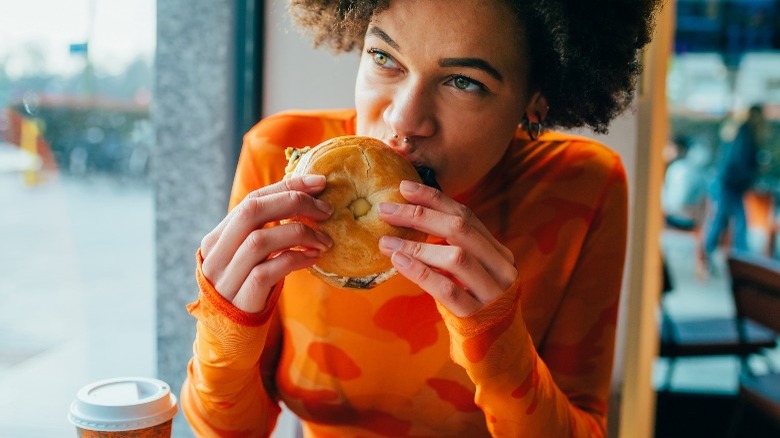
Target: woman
[503,322]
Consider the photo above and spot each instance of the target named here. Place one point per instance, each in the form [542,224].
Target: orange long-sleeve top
[392,362]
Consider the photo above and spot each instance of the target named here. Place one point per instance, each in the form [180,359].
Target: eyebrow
[384,36]
[477,63]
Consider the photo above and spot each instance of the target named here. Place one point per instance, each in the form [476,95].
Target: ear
[536,110]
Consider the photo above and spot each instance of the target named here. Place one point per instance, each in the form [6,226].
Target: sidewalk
[78,296]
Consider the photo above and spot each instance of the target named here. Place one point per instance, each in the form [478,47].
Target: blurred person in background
[684,193]
[736,173]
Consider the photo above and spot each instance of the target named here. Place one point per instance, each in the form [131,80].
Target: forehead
[466,27]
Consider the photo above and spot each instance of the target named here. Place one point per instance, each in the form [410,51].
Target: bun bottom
[366,282]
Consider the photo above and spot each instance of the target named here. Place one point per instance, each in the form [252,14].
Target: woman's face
[450,76]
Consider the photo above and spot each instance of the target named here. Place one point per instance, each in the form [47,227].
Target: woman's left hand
[465,275]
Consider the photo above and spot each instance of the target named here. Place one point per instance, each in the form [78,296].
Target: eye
[466,84]
[381,58]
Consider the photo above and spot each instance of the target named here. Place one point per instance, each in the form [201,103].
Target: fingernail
[311,253]
[390,242]
[388,208]
[324,238]
[323,206]
[409,186]
[313,180]
[401,259]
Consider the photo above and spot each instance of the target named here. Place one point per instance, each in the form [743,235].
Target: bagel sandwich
[360,173]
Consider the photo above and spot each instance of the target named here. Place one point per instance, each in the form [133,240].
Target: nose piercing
[406,139]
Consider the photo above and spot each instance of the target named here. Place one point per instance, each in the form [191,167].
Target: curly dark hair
[585,54]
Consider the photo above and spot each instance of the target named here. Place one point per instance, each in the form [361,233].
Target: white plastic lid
[125,403]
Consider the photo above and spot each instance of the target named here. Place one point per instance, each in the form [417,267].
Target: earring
[535,128]
[395,135]
[406,139]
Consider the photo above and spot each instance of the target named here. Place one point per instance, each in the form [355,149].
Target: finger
[253,213]
[253,294]
[208,242]
[453,260]
[309,184]
[456,230]
[262,243]
[441,288]
[426,196]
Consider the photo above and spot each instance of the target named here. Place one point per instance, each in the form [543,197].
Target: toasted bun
[361,172]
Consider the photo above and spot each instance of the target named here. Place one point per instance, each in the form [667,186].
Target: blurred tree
[137,77]
[26,59]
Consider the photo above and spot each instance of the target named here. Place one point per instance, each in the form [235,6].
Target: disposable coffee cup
[136,407]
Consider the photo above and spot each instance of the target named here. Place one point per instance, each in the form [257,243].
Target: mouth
[428,176]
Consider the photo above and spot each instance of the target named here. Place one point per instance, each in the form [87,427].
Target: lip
[396,145]
[416,162]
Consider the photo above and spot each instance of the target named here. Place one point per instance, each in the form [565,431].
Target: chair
[702,337]
[709,337]
[761,212]
[756,285]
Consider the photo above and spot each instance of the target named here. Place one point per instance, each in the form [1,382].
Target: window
[77,255]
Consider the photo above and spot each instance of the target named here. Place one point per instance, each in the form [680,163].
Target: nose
[411,113]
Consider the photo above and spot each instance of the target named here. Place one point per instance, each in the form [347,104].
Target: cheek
[370,102]
[369,115]
[477,145]
[479,156]
[484,134]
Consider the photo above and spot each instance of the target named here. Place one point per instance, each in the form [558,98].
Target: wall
[296,75]
[643,281]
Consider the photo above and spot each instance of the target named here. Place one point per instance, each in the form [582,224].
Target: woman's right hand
[244,259]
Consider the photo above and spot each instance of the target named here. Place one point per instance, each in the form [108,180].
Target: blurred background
[86,180]
[76,206]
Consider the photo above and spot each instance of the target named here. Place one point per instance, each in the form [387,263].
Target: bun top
[360,172]
[326,157]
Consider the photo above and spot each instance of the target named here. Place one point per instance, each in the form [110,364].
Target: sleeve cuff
[505,306]
[226,308]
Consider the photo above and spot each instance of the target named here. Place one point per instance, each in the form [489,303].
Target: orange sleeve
[224,393]
[562,389]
